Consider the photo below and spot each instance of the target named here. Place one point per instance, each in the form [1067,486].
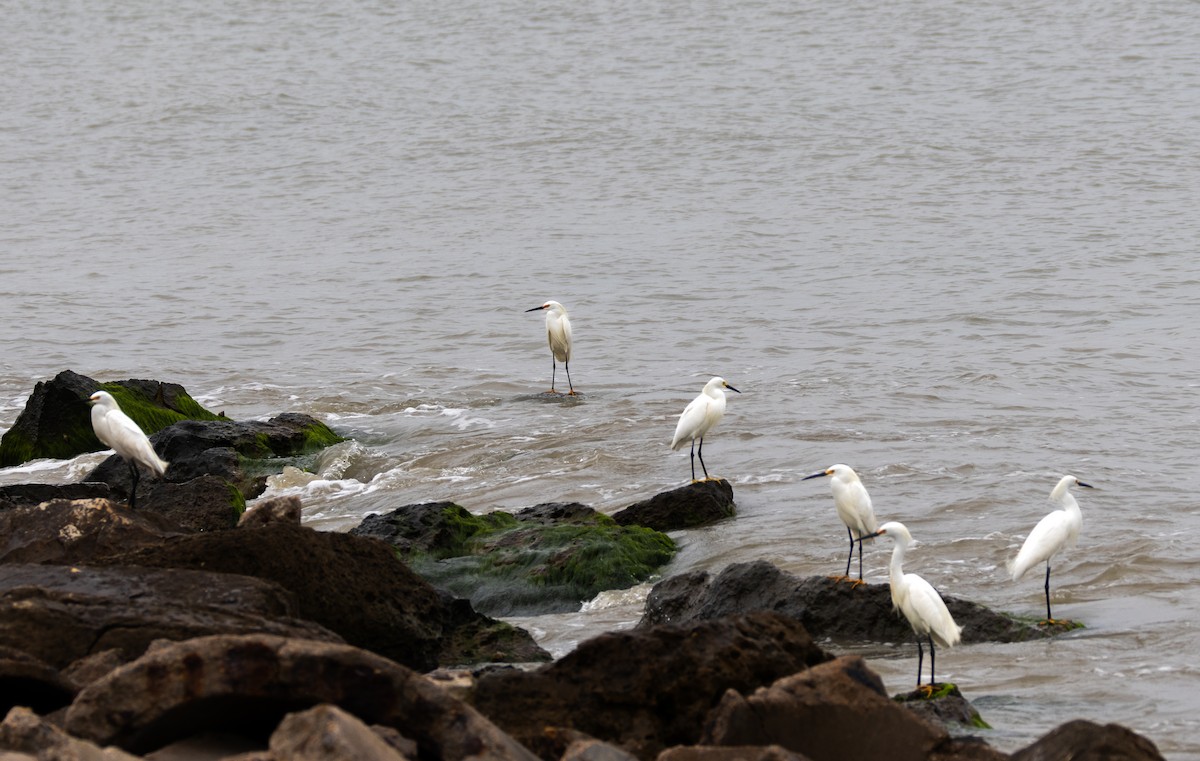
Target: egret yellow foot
[927,690]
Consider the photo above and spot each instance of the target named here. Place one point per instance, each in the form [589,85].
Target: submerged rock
[828,608]
[545,559]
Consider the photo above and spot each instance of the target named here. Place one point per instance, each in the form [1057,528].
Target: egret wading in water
[1058,530]
[698,418]
[117,431]
[853,507]
[558,331]
[918,601]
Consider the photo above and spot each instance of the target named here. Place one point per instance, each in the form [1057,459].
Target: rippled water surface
[949,244]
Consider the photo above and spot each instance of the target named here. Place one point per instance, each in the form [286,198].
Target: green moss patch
[506,566]
[150,414]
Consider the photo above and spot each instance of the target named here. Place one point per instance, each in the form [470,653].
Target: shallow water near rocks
[952,247]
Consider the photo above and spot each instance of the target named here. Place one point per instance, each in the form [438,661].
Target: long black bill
[535,309]
[814,475]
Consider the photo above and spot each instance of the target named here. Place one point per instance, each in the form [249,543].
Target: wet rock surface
[694,504]
[352,585]
[549,558]
[646,690]
[169,632]
[827,607]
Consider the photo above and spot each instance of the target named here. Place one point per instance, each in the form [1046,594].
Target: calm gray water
[950,244]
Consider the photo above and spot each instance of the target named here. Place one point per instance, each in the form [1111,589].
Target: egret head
[101,397]
[844,472]
[716,382]
[551,305]
[896,530]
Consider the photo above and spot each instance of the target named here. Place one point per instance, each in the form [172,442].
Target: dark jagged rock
[352,585]
[56,421]
[826,607]
[648,689]
[834,711]
[545,559]
[60,614]
[204,503]
[247,684]
[76,531]
[1082,740]
[695,504]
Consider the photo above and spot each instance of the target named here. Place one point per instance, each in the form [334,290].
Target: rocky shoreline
[190,629]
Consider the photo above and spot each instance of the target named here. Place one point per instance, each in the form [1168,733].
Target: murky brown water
[952,246]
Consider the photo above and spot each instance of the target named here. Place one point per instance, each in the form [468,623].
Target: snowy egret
[698,418]
[117,431]
[918,601]
[853,507]
[558,331]
[1058,530]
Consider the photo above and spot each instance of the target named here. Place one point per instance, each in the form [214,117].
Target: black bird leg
[133,471]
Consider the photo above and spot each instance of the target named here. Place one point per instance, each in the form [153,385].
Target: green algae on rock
[549,558]
[56,422]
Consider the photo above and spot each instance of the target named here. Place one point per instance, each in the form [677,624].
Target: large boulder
[247,684]
[828,608]
[56,421]
[352,585]
[545,559]
[60,614]
[695,504]
[834,711]
[645,690]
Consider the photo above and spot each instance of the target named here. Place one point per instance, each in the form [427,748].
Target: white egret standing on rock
[117,431]
[1058,530]
[853,507]
[558,331]
[918,601]
[698,418]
